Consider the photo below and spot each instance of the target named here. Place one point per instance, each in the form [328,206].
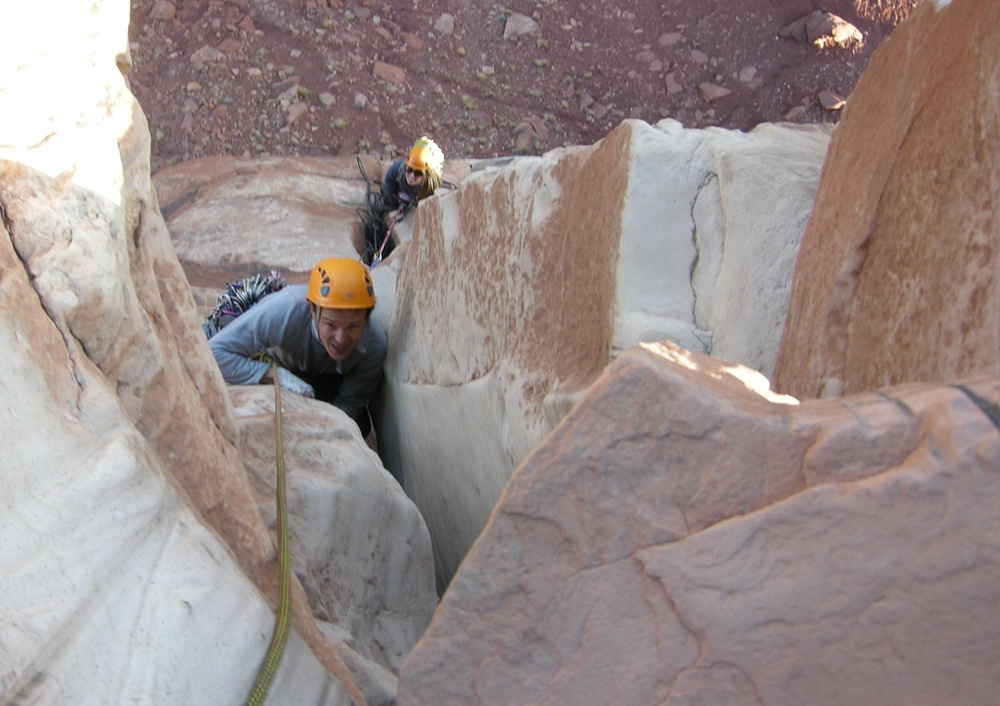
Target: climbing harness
[281,626]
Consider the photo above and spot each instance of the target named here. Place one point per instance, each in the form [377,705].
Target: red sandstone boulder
[898,276]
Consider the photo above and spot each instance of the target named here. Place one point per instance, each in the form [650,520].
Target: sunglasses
[415,172]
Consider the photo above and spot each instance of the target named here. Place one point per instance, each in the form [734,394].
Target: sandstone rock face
[376,584]
[137,565]
[701,263]
[733,548]
[278,213]
[519,287]
[898,279]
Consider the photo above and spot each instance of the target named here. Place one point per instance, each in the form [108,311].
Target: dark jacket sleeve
[390,185]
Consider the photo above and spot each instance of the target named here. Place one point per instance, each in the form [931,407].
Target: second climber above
[413,177]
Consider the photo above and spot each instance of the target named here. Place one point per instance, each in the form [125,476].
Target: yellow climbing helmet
[426,156]
[341,283]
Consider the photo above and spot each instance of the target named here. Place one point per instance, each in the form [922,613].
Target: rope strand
[274,653]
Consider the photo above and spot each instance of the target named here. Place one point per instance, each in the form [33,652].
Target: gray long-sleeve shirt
[282,327]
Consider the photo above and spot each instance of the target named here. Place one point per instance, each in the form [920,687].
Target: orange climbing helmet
[426,156]
[341,283]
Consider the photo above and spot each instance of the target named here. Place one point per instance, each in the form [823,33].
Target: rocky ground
[322,77]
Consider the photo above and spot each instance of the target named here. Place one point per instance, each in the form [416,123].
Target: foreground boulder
[733,548]
[359,546]
[898,279]
[139,557]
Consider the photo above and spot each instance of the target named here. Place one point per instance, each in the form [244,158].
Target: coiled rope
[273,659]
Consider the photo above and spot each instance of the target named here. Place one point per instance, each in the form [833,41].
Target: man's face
[339,330]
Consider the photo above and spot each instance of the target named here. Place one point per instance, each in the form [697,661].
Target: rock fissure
[990,409]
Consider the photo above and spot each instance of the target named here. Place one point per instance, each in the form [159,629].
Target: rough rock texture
[733,549]
[135,554]
[700,262]
[899,274]
[277,209]
[520,286]
[360,548]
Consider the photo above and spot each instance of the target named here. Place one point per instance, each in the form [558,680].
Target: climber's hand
[293,383]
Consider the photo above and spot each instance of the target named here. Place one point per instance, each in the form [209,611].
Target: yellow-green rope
[273,659]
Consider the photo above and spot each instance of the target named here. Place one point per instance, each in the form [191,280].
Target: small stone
[163,10]
[480,119]
[445,24]
[206,55]
[748,74]
[796,114]
[296,111]
[518,24]
[411,40]
[830,100]
[670,39]
[229,45]
[360,101]
[699,57]
[712,91]
[282,87]
[530,132]
[387,72]
[326,98]
[673,88]
[193,87]
[823,30]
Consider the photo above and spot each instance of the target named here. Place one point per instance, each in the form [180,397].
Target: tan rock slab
[685,537]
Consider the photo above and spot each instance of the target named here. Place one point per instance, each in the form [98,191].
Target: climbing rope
[270,667]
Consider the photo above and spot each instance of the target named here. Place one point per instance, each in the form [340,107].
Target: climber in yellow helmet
[413,177]
[320,335]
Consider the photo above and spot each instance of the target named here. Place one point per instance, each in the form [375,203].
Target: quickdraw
[377,256]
